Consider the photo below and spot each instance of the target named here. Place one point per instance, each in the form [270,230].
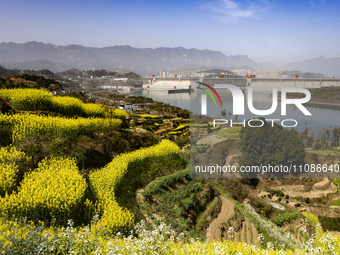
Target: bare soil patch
[211,140]
[319,189]
[227,212]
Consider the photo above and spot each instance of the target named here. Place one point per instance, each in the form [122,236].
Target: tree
[224,113]
[271,145]
[310,140]
[336,136]
[328,135]
[304,136]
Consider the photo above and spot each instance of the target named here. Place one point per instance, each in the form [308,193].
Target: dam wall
[170,83]
[257,84]
[300,82]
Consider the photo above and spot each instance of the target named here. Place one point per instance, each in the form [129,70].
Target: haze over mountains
[37,55]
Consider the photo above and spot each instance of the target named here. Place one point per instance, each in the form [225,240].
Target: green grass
[199,149]
[336,181]
[234,135]
[337,184]
[165,181]
[232,132]
[337,203]
[328,152]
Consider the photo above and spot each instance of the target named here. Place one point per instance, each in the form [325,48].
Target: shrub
[285,218]
[314,157]
[277,192]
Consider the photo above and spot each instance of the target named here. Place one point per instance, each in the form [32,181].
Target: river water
[322,117]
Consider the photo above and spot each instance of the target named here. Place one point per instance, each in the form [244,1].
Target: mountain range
[327,66]
[37,55]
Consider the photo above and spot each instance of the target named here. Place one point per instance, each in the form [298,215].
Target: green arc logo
[209,93]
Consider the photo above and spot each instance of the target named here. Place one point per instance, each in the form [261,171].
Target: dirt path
[227,211]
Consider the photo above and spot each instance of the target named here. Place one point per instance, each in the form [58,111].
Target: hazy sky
[279,31]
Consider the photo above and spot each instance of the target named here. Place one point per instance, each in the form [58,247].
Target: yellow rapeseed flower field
[28,99]
[26,238]
[102,182]
[24,125]
[53,193]
[40,99]
[10,159]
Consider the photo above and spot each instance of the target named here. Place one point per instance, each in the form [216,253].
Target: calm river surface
[322,117]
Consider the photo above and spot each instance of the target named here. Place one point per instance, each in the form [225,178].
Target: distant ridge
[124,59]
[327,66]
[37,65]
[37,55]
[4,72]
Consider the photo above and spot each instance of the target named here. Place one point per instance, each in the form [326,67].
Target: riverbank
[323,97]
[324,103]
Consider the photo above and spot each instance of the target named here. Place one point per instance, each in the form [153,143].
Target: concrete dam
[242,83]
